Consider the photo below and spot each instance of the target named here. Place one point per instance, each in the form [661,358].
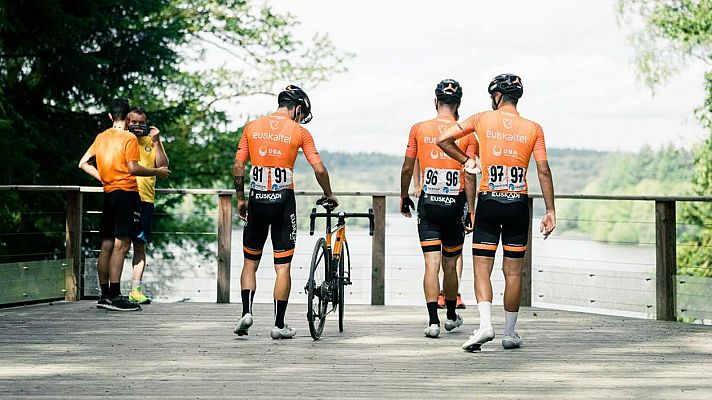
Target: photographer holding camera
[152,155]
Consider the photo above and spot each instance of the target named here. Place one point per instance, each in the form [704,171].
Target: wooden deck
[188,350]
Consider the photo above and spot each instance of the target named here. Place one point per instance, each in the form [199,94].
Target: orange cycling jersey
[440,174]
[272,144]
[506,143]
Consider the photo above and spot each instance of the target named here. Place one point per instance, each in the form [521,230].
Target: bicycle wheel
[344,265]
[316,302]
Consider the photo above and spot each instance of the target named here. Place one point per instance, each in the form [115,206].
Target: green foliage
[675,32]
[62,61]
[663,172]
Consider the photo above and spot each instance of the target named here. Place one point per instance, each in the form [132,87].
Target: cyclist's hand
[417,190]
[405,205]
[548,224]
[242,209]
[470,222]
[163,172]
[331,199]
[471,167]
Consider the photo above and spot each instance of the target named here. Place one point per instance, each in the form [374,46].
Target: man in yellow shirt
[152,155]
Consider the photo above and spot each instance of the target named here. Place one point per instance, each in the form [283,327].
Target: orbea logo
[435,154]
[510,137]
[274,124]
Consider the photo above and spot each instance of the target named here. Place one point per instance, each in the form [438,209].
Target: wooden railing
[665,226]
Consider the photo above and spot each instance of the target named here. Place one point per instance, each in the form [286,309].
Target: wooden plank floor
[188,350]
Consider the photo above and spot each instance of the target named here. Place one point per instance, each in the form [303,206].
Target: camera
[139,130]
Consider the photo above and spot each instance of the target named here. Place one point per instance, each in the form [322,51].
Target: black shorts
[145,222]
[277,210]
[120,215]
[441,220]
[501,214]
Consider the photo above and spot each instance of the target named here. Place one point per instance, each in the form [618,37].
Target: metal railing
[665,240]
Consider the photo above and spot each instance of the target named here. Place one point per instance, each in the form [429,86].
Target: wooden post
[73,238]
[665,260]
[526,299]
[224,246]
[378,252]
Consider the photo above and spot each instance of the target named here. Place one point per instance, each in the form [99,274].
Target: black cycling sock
[280,307]
[104,289]
[248,295]
[114,289]
[451,314]
[433,313]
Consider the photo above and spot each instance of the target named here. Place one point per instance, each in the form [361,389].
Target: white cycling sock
[510,320]
[485,309]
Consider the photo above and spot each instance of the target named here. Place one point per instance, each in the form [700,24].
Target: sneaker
[243,325]
[119,303]
[450,324]
[441,300]
[283,333]
[137,296]
[432,330]
[102,302]
[478,338]
[512,342]
[460,304]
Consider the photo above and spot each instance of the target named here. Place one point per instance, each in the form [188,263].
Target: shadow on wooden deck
[188,350]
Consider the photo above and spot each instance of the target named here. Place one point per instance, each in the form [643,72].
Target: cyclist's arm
[546,182]
[85,166]
[447,139]
[322,177]
[161,156]
[312,156]
[238,178]
[471,151]
[406,174]
[417,185]
[238,168]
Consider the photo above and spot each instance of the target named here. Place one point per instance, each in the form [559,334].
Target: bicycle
[330,270]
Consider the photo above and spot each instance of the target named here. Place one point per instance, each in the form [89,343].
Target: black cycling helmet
[509,84]
[295,94]
[448,91]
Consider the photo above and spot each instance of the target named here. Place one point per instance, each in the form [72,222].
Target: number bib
[507,178]
[271,178]
[441,181]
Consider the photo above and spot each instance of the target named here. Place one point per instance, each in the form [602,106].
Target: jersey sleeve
[308,147]
[539,145]
[243,149]
[412,149]
[472,147]
[131,149]
[469,125]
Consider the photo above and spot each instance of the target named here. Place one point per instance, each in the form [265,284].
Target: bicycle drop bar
[341,216]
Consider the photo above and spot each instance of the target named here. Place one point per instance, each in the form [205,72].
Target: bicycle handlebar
[341,215]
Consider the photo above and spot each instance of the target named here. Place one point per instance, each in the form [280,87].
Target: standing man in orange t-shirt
[506,143]
[116,153]
[442,203]
[271,143]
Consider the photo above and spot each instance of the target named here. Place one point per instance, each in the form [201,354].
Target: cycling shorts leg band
[283,257]
[452,251]
[252,254]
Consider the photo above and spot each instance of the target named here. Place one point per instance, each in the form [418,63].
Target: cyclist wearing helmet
[506,143]
[442,204]
[271,143]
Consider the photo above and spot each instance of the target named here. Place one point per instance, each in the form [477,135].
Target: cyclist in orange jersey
[506,144]
[271,143]
[442,204]
[417,189]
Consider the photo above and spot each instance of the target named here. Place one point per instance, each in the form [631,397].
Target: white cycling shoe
[283,333]
[243,325]
[512,342]
[450,324]
[478,338]
[432,330]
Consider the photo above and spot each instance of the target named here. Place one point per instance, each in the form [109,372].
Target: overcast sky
[573,56]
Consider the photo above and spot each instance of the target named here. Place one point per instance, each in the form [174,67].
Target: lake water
[568,272]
